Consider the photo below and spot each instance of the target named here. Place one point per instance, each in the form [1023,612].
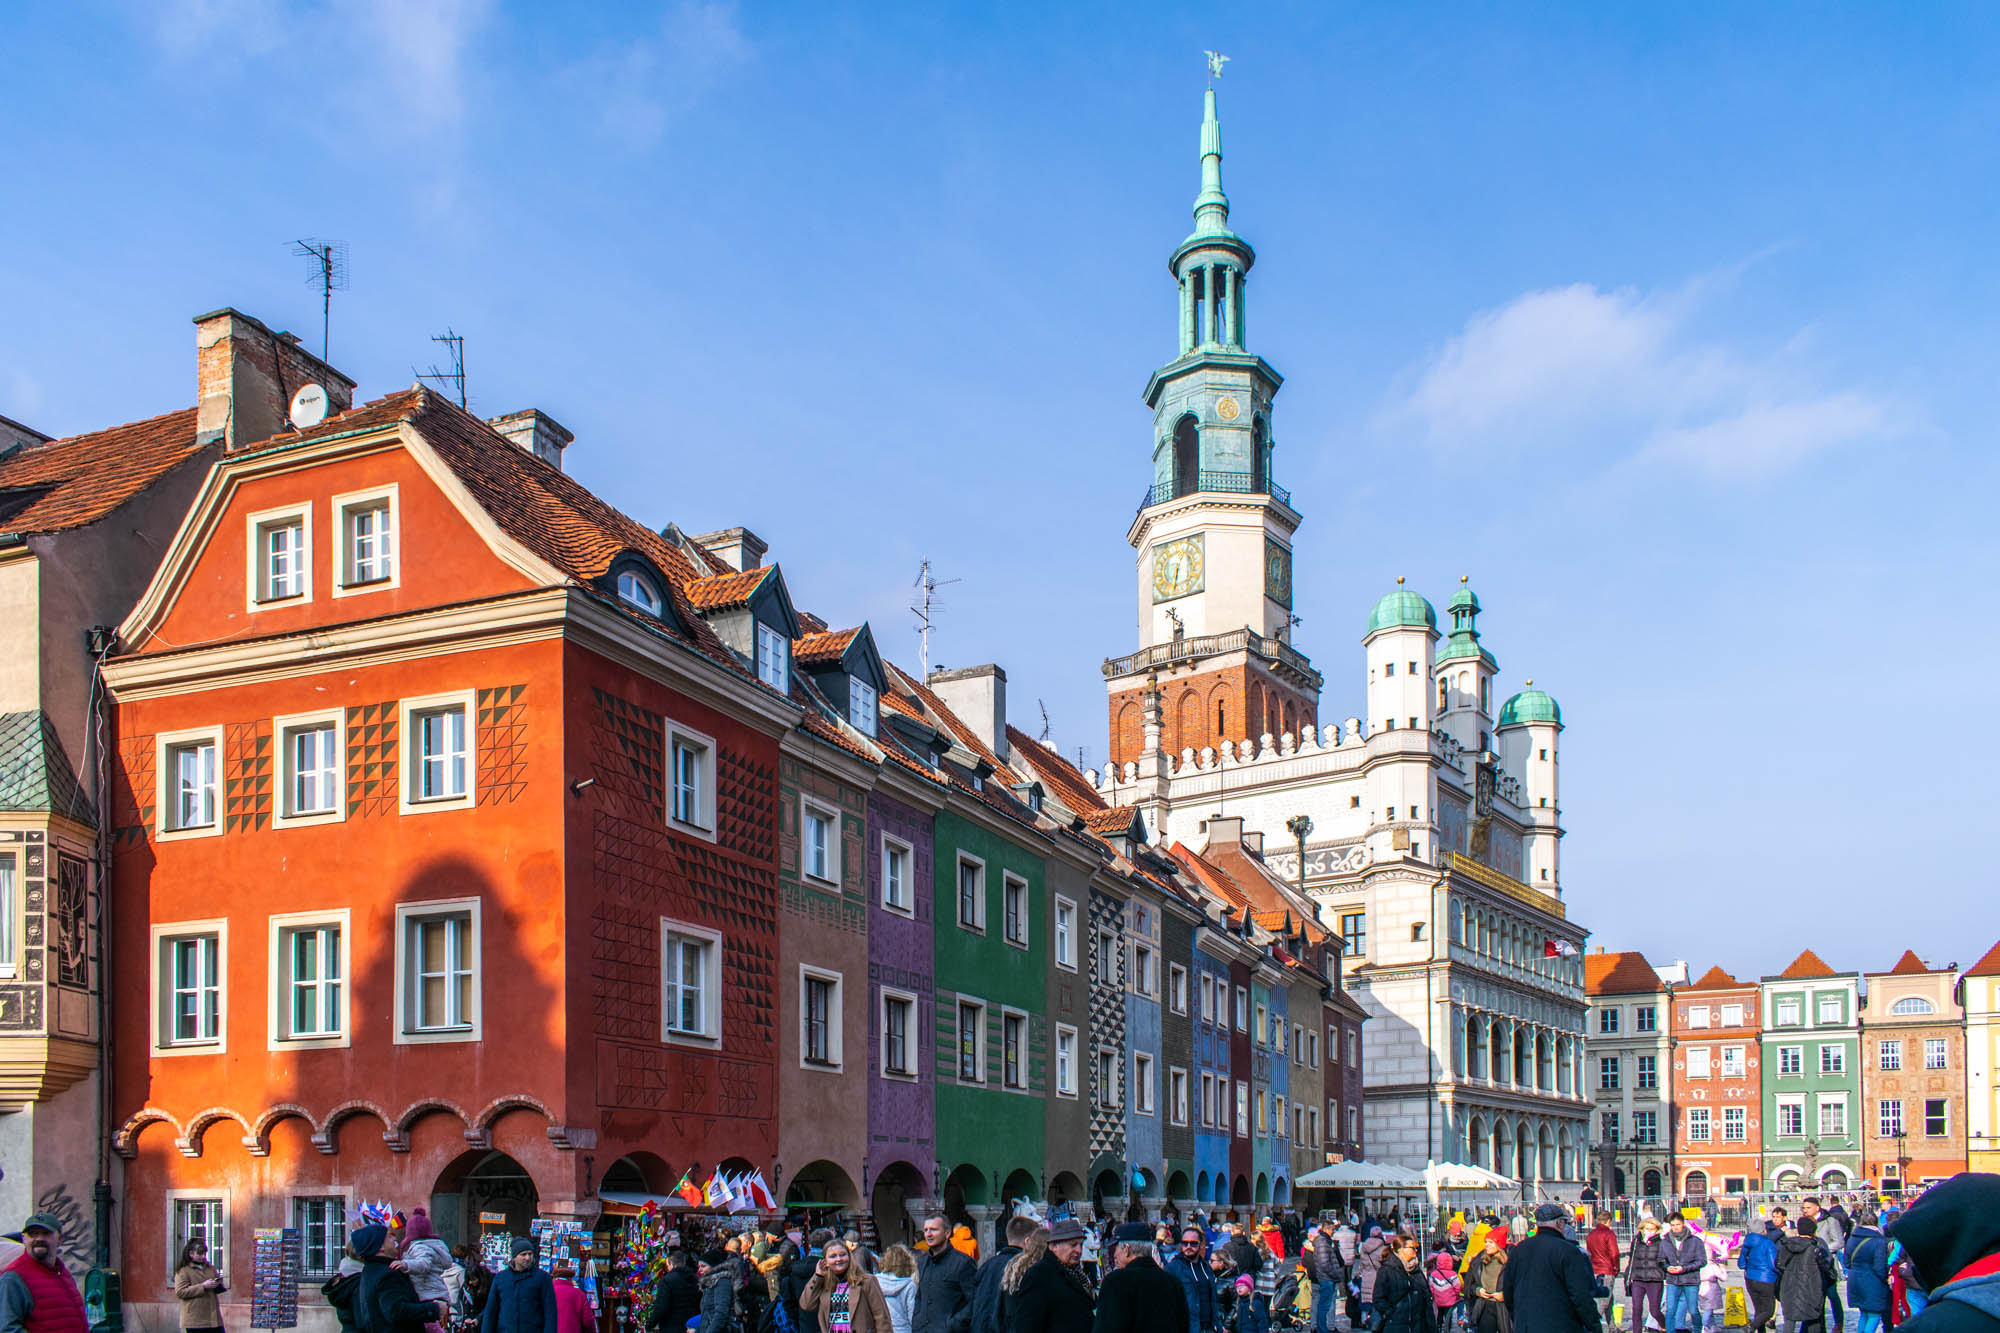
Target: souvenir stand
[636,1231]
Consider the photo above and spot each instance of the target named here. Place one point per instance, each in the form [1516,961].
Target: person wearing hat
[37,1293]
[1044,1289]
[1547,1285]
[387,1303]
[1140,1296]
[522,1298]
[718,1292]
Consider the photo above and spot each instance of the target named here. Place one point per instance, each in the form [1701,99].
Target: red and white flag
[1559,949]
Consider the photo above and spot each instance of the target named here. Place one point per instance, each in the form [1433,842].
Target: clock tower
[1214,532]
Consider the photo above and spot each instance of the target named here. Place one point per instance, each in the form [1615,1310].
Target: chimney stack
[740,547]
[246,375]
[537,432]
[978,694]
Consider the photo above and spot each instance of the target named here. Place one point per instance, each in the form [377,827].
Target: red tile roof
[1989,966]
[1114,821]
[1807,964]
[963,734]
[1625,973]
[1212,877]
[1055,773]
[716,592]
[825,646]
[1717,979]
[1909,965]
[72,482]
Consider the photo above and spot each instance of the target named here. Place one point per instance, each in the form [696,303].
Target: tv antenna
[926,610]
[1046,728]
[329,274]
[455,377]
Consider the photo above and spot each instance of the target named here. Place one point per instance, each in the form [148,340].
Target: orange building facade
[1913,1076]
[1718,1087]
[445,852]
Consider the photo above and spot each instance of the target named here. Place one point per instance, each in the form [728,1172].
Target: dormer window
[861,706]
[635,589]
[1035,799]
[774,657]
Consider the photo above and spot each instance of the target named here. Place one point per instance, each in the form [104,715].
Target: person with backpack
[1867,1259]
[1328,1273]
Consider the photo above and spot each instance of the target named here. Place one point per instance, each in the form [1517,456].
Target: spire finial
[1464,578]
[1216,60]
[1399,580]
[1211,206]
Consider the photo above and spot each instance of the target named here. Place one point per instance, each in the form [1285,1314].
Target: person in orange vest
[37,1294]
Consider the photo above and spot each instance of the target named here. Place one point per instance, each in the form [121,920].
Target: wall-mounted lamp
[576,788]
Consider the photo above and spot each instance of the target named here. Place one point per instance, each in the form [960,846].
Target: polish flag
[1559,949]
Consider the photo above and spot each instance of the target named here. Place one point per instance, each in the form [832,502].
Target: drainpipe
[99,640]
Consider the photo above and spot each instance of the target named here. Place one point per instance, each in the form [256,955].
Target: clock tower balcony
[1220,483]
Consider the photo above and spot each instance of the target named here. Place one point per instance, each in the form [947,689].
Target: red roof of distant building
[1807,964]
[1115,820]
[1625,973]
[716,592]
[1909,965]
[72,482]
[1056,773]
[826,646]
[1717,979]
[1989,966]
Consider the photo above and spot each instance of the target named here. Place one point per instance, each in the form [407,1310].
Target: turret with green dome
[1402,607]
[1464,641]
[1530,705]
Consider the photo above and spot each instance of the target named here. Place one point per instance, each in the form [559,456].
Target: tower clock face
[1177,568]
[1278,573]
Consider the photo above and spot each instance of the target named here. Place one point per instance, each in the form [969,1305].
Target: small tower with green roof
[1400,642]
[1530,726]
[1465,671]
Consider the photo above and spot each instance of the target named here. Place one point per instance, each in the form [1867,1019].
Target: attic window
[635,589]
[861,706]
[774,655]
[1035,799]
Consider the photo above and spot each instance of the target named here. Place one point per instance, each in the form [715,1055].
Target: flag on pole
[1559,949]
[718,1194]
[760,1191]
[691,1193]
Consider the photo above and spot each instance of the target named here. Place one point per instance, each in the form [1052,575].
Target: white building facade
[1430,827]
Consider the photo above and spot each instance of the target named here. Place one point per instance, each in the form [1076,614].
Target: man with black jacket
[678,1297]
[1140,1296]
[1547,1284]
[1805,1271]
[986,1290]
[946,1280]
[387,1302]
[1951,1239]
[522,1298]
[1189,1267]
[1053,1296]
[1326,1273]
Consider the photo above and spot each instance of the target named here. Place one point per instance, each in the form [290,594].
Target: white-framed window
[1937,1117]
[1242,1009]
[1646,1126]
[1732,1015]
[1833,1058]
[309,968]
[1242,1109]
[1698,1058]
[1912,1004]
[1354,1124]
[1142,1082]
[1177,988]
[190,970]
[1791,1061]
[311,768]
[1261,1034]
[1732,1062]
[1312,1048]
[1832,1116]
[819,1018]
[971,1041]
[1791,1117]
[1353,1049]
[1735,1124]
[1935,1053]
[1065,934]
[1065,1060]
[774,658]
[638,590]
[280,556]
[1013,1048]
[899,1034]
[1208,1099]
[1014,909]
[365,524]
[861,705]
[1607,1019]
[201,1215]
[1889,1118]
[1788,1013]
[1697,1015]
[1645,1018]
[1608,1073]
[819,841]
[1648,1073]
[1145,976]
[1889,1054]
[971,893]
[322,1225]
[437,752]
[1829,1009]
[690,983]
[1107,1077]
[1698,1124]
[437,971]
[1258,1099]
[186,788]
[898,864]
[690,781]
[10,909]
[1177,1094]
[1278,1114]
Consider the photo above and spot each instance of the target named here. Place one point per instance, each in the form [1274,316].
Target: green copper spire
[1211,206]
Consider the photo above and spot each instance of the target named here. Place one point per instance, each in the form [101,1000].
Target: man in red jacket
[37,1294]
[1602,1246]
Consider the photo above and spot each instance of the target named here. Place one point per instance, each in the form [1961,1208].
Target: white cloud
[1624,373]
[643,85]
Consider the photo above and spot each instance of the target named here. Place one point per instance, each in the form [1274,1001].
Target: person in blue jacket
[1867,1260]
[1758,1258]
[522,1298]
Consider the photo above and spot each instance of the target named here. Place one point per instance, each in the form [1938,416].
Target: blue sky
[1670,326]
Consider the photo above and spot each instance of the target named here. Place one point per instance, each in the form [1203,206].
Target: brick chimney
[537,432]
[245,376]
[740,547]
[978,694]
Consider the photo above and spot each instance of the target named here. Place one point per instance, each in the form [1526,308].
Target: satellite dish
[308,406]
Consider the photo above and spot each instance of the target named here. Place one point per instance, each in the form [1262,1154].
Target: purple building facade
[901,1158]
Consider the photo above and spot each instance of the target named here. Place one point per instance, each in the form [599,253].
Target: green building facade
[1812,1077]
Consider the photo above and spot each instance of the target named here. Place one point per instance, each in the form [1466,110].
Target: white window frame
[225,1251]
[771,657]
[1699,1124]
[810,806]
[166,790]
[1941,1047]
[1177,988]
[1736,1067]
[1887,1125]
[1829,1101]
[1064,919]
[960,861]
[1792,1101]
[1242,1009]
[1011,884]
[1820,1007]
[255,525]
[1242,1109]
[1697,1015]
[862,719]
[407,916]
[1889,1053]
[637,589]
[1109,957]
[296,1217]
[678,735]
[710,1035]
[1143,1100]
[911,1035]
[411,710]
[282,730]
[959,1006]
[893,847]
[1145,970]
[344,583]
[1779,1009]
[283,927]
[1177,1095]
[836,1000]
[1706,1060]
[1741,1123]
[1109,1094]
[10,913]
[1833,1057]
[1798,1051]
[163,1045]
[1066,1053]
[1732,1020]
[1022,1081]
